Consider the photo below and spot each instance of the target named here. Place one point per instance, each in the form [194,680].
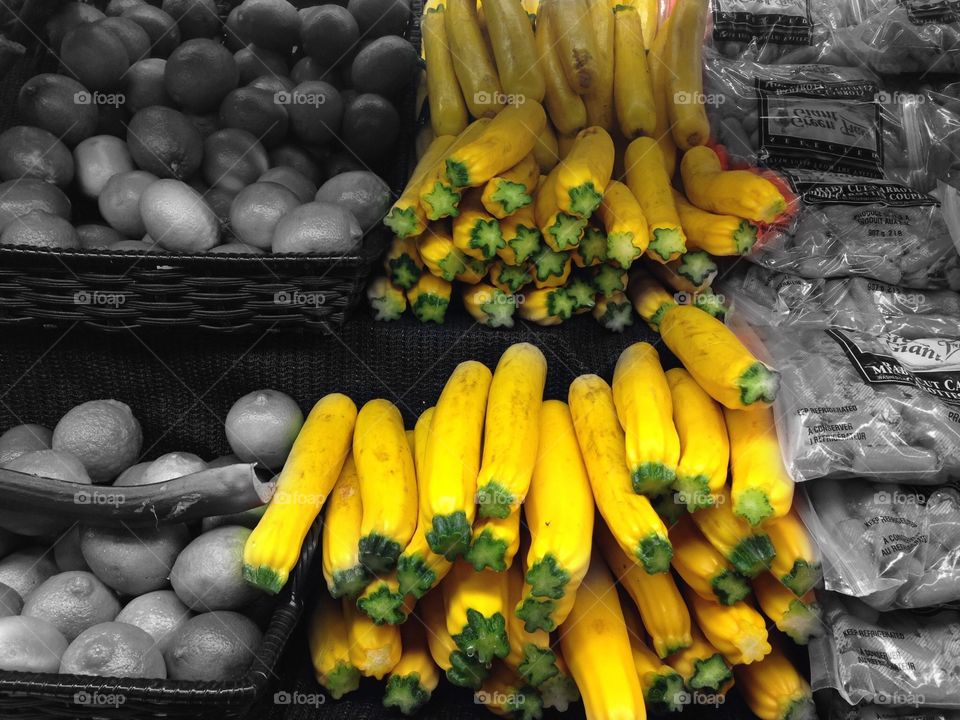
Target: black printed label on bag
[929,364]
[932,12]
[785,22]
[823,126]
[839,190]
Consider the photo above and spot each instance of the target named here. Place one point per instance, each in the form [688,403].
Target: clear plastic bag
[827,118]
[845,226]
[896,659]
[859,404]
[893,546]
[769,298]
[767,31]
[838,709]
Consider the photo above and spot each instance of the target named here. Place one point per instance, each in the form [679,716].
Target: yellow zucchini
[471,59]
[330,649]
[430,298]
[720,235]
[576,41]
[633,90]
[402,262]
[642,398]
[648,181]
[702,567]
[583,174]
[495,542]
[307,477]
[702,666]
[531,656]
[630,517]
[738,631]
[761,487]
[476,232]
[549,306]
[704,445]
[796,560]
[565,107]
[599,100]
[510,279]
[459,668]
[513,48]
[439,254]
[413,679]
[476,605]
[656,63]
[796,617]
[560,230]
[513,189]
[438,197]
[374,649]
[684,56]
[774,690]
[546,150]
[488,305]
[522,237]
[344,573]
[614,312]
[452,459]
[750,551]
[387,301]
[663,689]
[406,217]
[741,193]
[448,111]
[649,298]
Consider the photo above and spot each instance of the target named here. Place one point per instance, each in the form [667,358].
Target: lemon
[257,209]
[159,613]
[22,439]
[66,551]
[114,649]
[178,217]
[170,466]
[72,602]
[293,180]
[119,201]
[97,159]
[25,569]
[39,228]
[214,646]
[10,601]
[133,561]
[261,427]
[30,645]
[103,434]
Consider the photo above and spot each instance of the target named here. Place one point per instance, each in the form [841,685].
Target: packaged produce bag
[897,659]
[770,298]
[842,226]
[769,32]
[891,545]
[838,709]
[858,404]
[825,118]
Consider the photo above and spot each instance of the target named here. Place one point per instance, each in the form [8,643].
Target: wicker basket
[114,291]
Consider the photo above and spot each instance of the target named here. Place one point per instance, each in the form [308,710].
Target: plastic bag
[893,546]
[838,709]
[767,31]
[769,298]
[896,659]
[828,119]
[857,404]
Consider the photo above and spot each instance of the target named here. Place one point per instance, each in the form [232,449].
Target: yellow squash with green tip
[330,648]
[761,487]
[344,573]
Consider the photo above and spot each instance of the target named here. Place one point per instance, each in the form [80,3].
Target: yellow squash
[307,477]
[374,649]
[476,233]
[413,679]
[576,41]
[477,606]
[549,306]
[531,655]
[402,262]
[702,666]
[511,36]
[704,445]
[448,111]
[774,690]
[656,62]
[683,52]
[596,646]
[761,487]
[438,197]
[383,602]
[560,691]
[796,562]
[628,234]
[720,235]
[387,301]
[797,617]
[559,513]
[459,668]
[522,237]
[749,550]
[344,573]
[504,693]
[738,631]
[406,217]
[495,542]
[507,140]
[599,99]
[649,298]
[330,648]
[388,484]
[614,312]
[584,173]
[510,279]
[630,517]
[656,597]
[691,273]
[717,359]
[642,397]
[430,298]
[472,60]
[546,150]
[561,231]
[506,193]
[488,305]
[741,193]
[705,571]
[564,106]
[512,430]
[452,459]
[439,254]
[648,181]
[632,86]
[662,685]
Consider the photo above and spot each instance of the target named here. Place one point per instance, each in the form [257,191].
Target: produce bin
[107,290]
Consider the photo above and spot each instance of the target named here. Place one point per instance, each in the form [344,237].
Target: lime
[208,574]
[114,649]
[318,227]
[235,39]
[253,62]
[70,15]
[232,159]
[293,180]
[119,201]
[257,209]
[56,104]
[95,56]
[386,67]
[29,152]
[30,645]
[97,159]
[97,236]
[40,229]
[160,613]
[328,33]
[315,111]
[254,110]
[178,218]
[261,427]
[273,83]
[115,8]
[371,126]
[290,155]
[54,464]
[199,74]
[72,602]
[271,24]
[19,197]
[104,434]
[133,560]
[162,29]
[237,248]
[361,192]
[307,68]
[195,18]
[214,646]
[145,85]
[134,38]
[380,17]
[22,439]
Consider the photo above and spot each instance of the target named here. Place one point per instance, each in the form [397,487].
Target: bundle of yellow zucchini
[491,543]
[565,179]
